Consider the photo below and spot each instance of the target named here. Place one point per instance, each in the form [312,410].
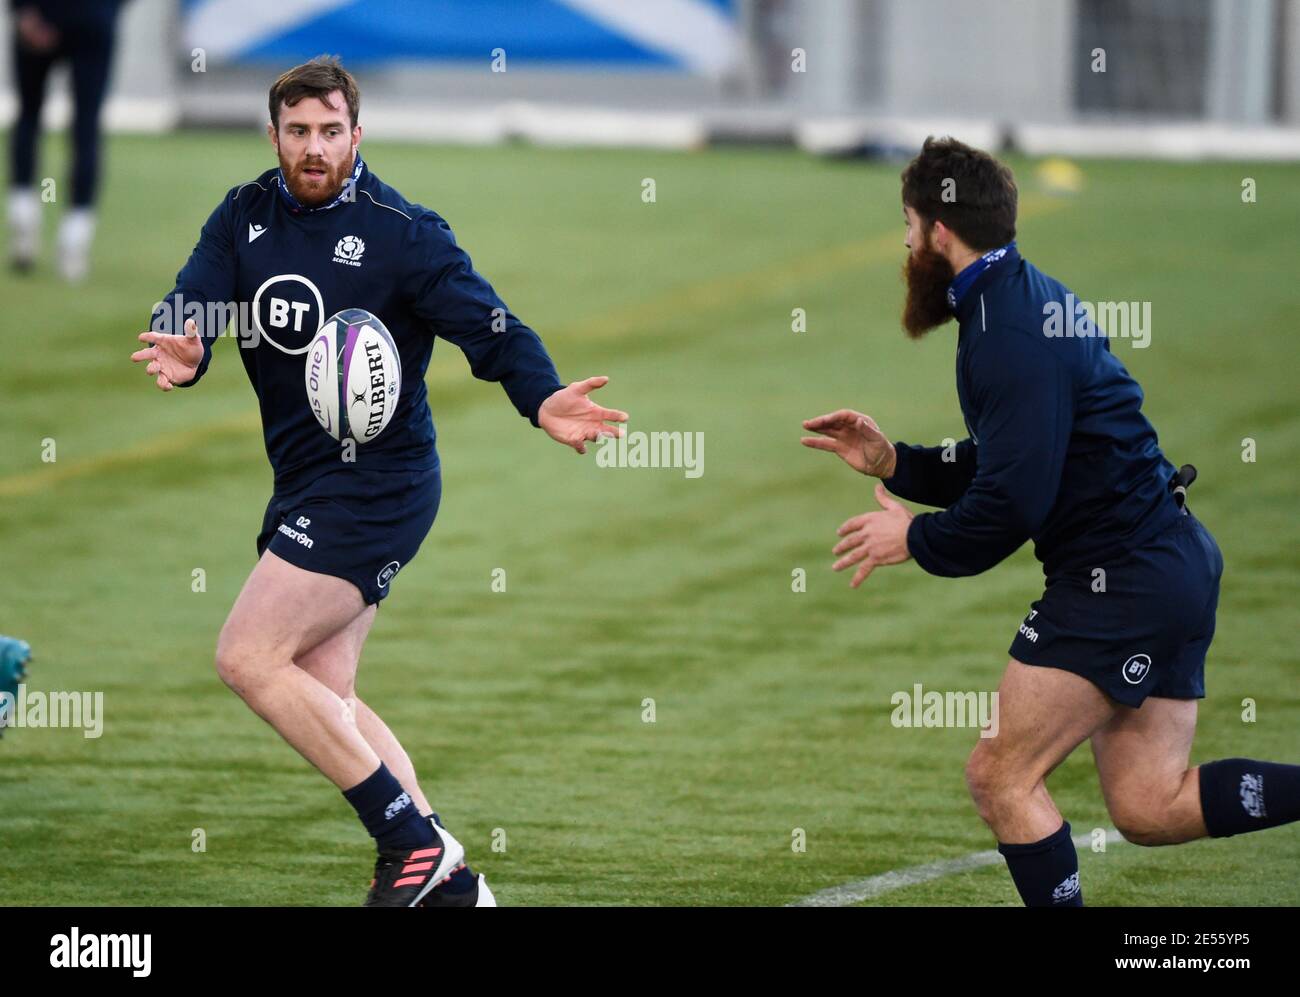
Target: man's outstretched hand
[855,438]
[569,416]
[174,359]
[874,538]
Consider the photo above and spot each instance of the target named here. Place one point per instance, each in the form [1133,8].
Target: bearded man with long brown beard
[1058,451]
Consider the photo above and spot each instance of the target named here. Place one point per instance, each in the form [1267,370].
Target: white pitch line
[897,879]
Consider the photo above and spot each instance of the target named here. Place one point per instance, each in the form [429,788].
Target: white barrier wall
[989,65]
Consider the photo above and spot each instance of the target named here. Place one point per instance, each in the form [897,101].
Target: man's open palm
[173,359]
[855,438]
[569,416]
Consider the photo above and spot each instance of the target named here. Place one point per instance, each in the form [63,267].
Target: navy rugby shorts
[360,526]
[1146,632]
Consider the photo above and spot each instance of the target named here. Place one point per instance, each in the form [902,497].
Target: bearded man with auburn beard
[281,253]
[1058,452]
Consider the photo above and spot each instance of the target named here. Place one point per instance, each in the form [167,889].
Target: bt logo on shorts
[386,573]
[1136,668]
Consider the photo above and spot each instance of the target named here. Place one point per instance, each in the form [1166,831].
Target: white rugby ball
[353,376]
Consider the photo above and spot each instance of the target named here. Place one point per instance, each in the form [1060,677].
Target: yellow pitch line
[712,292]
[706,294]
[715,291]
[161,445]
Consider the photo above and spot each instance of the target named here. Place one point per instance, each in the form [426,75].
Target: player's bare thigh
[333,662]
[1043,715]
[282,612]
[1142,757]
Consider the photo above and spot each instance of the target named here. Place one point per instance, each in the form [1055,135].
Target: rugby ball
[353,376]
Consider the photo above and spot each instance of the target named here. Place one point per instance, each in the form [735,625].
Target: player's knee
[1155,811]
[237,663]
[988,780]
[1138,829]
[1142,820]
[227,664]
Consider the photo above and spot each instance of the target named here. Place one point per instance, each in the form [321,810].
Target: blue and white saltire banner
[683,36]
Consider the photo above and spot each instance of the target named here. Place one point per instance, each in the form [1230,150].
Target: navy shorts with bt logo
[360,526]
[1147,633]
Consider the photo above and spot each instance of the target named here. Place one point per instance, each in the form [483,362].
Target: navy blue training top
[291,269]
[1059,451]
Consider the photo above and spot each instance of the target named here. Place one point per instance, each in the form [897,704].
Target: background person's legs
[31,72]
[91,56]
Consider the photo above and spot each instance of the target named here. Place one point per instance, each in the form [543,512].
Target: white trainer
[24,227]
[76,233]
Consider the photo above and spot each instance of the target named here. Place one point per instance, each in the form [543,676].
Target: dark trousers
[90,52]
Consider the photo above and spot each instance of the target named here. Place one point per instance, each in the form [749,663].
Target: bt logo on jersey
[287,310]
[279,313]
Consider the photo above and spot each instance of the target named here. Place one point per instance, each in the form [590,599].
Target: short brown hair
[317,78]
[979,204]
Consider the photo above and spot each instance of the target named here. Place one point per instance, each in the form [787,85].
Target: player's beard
[311,191]
[927,275]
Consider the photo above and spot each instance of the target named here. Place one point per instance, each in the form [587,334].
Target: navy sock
[1046,872]
[462,880]
[1240,795]
[388,812]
